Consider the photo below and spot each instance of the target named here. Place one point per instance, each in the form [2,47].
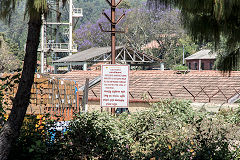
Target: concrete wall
[133,107]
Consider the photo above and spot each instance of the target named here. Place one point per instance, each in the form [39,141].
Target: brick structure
[202,60]
[48,95]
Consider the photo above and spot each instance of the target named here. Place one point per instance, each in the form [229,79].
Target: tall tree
[160,36]
[34,11]
[211,20]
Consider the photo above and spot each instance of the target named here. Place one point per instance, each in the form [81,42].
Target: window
[195,66]
[202,66]
[189,65]
[211,65]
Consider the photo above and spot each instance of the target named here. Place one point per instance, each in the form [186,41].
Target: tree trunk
[11,128]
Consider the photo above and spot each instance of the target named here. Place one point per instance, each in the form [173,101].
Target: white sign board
[115,86]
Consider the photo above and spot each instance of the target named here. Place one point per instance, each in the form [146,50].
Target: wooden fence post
[85,96]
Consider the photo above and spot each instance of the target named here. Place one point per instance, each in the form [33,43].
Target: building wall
[206,64]
[133,106]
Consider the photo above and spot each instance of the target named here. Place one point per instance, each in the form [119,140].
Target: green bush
[97,135]
[180,67]
[35,141]
[169,130]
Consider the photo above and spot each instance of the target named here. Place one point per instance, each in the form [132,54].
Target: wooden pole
[113,29]
[85,96]
[113,36]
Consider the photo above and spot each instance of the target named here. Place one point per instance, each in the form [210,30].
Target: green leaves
[97,135]
[168,130]
[38,141]
[171,129]
[209,21]
[6,9]
[40,5]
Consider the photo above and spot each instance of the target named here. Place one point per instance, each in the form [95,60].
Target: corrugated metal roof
[203,54]
[87,54]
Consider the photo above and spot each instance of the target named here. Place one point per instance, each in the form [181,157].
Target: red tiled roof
[203,85]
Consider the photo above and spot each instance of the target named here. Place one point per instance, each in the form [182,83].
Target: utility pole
[113,31]
[113,22]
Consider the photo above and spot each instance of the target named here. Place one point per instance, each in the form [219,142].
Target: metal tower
[57,30]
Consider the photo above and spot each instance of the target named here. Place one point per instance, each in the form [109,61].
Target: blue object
[121,110]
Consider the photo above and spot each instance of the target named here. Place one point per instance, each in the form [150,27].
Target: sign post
[115,86]
[113,30]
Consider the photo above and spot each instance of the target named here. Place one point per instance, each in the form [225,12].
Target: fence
[58,98]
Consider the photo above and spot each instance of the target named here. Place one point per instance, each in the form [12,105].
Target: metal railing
[59,46]
[77,12]
[51,2]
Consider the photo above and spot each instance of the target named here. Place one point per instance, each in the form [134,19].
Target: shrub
[180,67]
[96,135]
[35,141]
[169,130]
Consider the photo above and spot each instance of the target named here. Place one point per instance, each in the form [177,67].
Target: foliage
[210,20]
[139,33]
[2,111]
[163,28]
[90,35]
[180,67]
[125,4]
[169,130]
[34,10]
[94,8]
[16,31]
[9,55]
[97,135]
[36,140]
